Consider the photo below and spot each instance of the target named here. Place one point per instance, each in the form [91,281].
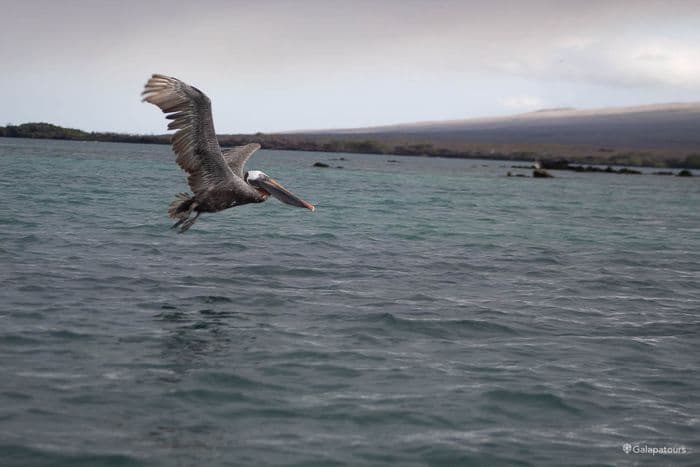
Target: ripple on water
[543,401]
[443,328]
[22,455]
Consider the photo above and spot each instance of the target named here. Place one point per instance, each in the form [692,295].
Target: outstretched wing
[236,157]
[194,142]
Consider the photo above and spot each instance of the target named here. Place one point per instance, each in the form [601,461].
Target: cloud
[521,102]
[666,62]
[636,61]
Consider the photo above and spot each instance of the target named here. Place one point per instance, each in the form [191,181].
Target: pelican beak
[281,193]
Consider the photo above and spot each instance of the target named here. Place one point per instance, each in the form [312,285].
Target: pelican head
[269,186]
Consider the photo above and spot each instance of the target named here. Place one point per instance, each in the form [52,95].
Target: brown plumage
[216,179]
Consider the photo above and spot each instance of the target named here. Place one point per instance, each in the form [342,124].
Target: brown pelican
[217,179]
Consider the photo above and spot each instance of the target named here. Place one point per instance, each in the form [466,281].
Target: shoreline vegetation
[392,144]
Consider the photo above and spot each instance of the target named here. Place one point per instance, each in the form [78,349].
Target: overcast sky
[306,64]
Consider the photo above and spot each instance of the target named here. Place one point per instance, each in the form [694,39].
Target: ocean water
[430,312]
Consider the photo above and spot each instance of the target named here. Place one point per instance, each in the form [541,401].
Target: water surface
[430,312]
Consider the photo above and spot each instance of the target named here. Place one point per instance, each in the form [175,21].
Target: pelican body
[216,178]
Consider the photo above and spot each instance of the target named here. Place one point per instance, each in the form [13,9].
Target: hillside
[665,126]
[653,135]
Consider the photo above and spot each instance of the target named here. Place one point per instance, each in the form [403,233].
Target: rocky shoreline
[541,169]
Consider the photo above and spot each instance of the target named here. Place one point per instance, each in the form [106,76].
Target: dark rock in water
[509,174]
[341,159]
[608,169]
[541,173]
[323,165]
[555,165]
[393,161]
[685,173]
[625,170]
[521,175]
[564,165]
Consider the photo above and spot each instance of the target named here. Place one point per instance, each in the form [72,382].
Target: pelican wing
[236,157]
[194,143]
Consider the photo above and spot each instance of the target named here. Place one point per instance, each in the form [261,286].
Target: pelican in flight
[216,178]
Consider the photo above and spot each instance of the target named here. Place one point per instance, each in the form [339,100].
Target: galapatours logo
[653,450]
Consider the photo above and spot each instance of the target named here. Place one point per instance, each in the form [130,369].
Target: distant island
[661,136]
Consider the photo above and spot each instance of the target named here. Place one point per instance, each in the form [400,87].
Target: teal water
[430,312]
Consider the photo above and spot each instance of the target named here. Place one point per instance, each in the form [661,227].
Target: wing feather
[236,157]
[194,143]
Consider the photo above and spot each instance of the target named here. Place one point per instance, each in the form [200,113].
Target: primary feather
[194,142]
